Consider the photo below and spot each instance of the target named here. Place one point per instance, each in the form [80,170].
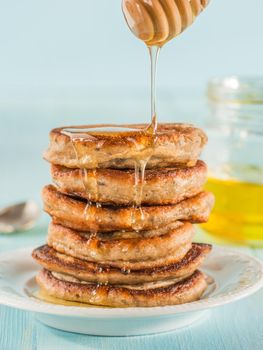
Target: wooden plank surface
[233,327]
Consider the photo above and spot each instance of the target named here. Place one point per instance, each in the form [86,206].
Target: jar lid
[235,89]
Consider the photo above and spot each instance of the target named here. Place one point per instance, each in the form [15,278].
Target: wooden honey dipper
[158,21]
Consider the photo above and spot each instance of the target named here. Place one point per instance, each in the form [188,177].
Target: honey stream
[148,138]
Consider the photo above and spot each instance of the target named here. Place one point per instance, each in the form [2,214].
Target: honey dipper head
[158,21]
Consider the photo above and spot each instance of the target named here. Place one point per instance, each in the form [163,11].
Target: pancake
[168,292]
[121,247]
[95,147]
[112,186]
[76,214]
[174,257]
[88,271]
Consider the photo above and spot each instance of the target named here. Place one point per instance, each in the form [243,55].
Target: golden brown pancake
[113,186]
[173,144]
[160,293]
[120,247]
[88,271]
[74,213]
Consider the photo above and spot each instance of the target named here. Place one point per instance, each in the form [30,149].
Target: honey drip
[154,54]
[140,165]
[84,133]
[78,135]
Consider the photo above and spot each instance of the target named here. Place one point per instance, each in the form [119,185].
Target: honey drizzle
[89,210]
[137,215]
[154,54]
[155,22]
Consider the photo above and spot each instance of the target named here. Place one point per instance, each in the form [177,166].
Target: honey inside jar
[238,211]
[235,128]
[158,21]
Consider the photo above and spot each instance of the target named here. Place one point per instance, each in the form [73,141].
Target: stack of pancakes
[121,235]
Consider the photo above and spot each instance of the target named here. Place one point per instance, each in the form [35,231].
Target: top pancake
[94,147]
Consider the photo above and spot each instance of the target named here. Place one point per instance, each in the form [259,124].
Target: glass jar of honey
[235,158]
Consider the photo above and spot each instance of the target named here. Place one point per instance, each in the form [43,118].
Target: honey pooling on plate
[44,296]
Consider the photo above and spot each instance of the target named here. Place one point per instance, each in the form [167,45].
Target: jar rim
[236,89]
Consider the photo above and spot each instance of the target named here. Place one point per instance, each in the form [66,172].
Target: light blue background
[76,62]
[86,42]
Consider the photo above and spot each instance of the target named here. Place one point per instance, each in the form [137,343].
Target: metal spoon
[18,217]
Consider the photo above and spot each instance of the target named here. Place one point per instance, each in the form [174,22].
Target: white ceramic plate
[232,275]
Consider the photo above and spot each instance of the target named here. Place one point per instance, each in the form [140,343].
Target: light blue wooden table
[25,121]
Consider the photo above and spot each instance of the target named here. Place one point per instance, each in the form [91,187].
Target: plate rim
[32,305]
